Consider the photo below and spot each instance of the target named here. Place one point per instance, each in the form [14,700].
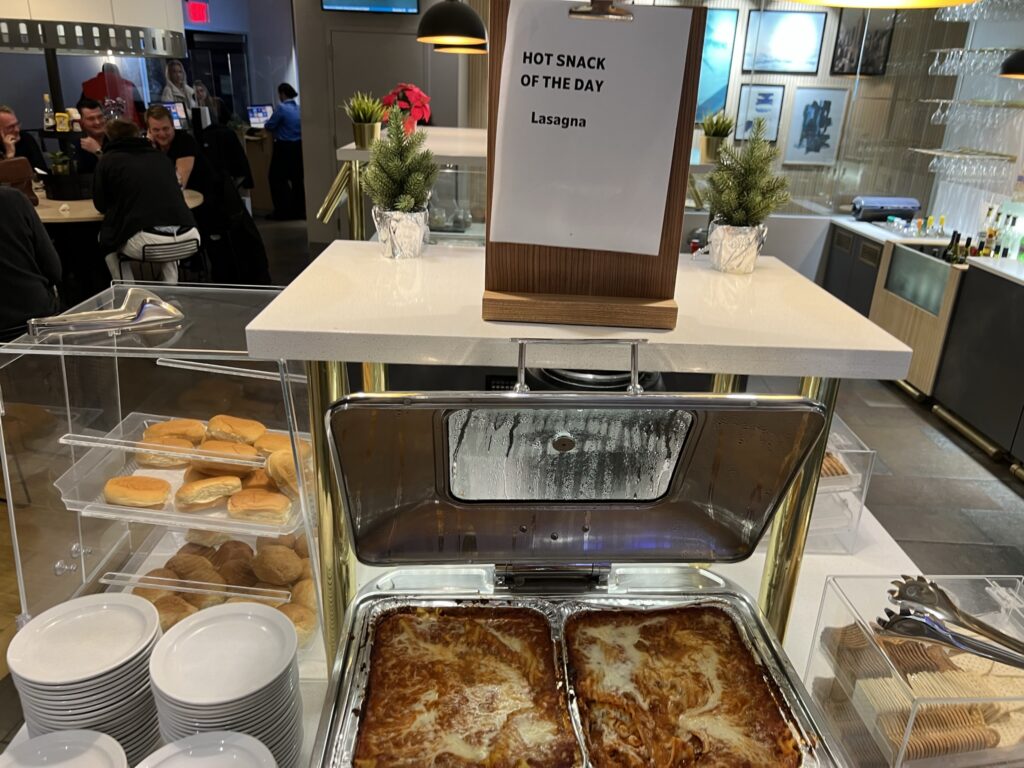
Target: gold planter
[709,148]
[365,134]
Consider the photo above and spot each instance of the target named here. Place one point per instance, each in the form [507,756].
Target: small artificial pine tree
[744,191]
[401,173]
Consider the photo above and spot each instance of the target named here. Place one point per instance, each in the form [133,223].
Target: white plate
[83,638]
[223,653]
[82,749]
[283,686]
[255,708]
[220,749]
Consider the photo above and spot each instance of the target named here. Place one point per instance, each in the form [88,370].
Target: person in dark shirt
[29,266]
[14,143]
[89,147]
[136,191]
[287,186]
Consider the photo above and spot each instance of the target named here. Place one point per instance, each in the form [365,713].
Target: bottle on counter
[949,254]
[965,251]
[49,118]
[942,224]
[992,232]
[929,227]
[1008,240]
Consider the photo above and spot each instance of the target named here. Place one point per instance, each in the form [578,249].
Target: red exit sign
[197,12]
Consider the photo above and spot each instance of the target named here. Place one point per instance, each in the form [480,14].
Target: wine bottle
[49,119]
[949,254]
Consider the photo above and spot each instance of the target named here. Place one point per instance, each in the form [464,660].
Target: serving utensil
[917,627]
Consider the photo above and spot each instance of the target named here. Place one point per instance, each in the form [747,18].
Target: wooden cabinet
[851,268]
[981,378]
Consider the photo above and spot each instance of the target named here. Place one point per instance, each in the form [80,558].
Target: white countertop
[1011,269]
[352,304]
[883,235]
[465,146]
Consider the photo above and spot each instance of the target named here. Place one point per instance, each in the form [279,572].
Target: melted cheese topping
[464,687]
[674,688]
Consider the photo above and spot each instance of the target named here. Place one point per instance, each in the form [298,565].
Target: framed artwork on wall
[786,42]
[876,41]
[815,125]
[716,63]
[764,101]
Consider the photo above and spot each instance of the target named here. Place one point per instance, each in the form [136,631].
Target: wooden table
[82,211]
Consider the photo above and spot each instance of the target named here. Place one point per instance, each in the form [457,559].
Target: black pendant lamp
[470,49]
[1013,67]
[451,23]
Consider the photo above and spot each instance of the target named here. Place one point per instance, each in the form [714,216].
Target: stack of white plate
[231,667]
[82,749]
[218,749]
[84,664]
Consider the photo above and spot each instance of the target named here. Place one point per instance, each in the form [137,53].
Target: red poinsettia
[412,101]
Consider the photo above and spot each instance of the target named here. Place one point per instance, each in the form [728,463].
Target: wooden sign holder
[544,284]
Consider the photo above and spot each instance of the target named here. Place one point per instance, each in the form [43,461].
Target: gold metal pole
[991,450]
[327,383]
[375,377]
[356,230]
[335,194]
[725,383]
[792,521]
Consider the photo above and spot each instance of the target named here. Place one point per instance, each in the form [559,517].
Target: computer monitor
[259,114]
[179,117]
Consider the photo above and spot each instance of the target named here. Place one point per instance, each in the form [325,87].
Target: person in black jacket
[136,190]
[29,266]
[14,143]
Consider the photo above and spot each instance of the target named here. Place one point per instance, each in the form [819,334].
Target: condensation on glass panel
[624,454]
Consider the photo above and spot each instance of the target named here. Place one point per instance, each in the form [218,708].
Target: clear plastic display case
[896,701]
[76,399]
[842,491]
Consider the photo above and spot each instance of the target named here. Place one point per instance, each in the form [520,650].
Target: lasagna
[674,688]
[464,687]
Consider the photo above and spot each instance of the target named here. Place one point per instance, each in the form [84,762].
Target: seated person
[94,135]
[29,266]
[136,190]
[14,143]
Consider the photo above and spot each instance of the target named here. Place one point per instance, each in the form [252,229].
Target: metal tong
[140,310]
[926,610]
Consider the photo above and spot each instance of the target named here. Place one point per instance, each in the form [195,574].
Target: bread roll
[173,609]
[285,540]
[231,550]
[211,466]
[202,494]
[260,505]
[187,429]
[203,599]
[206,538]
[307,569]
[304,593]
[188,565]
[165,462]
[303,619]
[277,565]
[137,491]
[238,573]
[24,421]
[156,591]
[208,576]
[235,430]
[281,468]
[301,546]
[192,474]
[272,442]
[250,599]
[198,549]
[259,479]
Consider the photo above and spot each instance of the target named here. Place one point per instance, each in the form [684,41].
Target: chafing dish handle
[634,387]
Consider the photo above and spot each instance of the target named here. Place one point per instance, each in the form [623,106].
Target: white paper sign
[587,126]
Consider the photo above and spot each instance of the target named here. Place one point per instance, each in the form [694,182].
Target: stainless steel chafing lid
[565,478]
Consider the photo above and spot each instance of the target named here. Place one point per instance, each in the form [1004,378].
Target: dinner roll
[156,591]
[277,565]
[307,569]
[197,549]
[235,430]
[206,538]
[301,546]
[281,468]
[202,494]
[260,505]
[302,618]
[231,550]
[188,565]
[165,462]
[203,599]
[211,466]
[23,421]
[285,540]
[238,573]
[304,593]
[259,479]
[188,429]
[173,609]
[136,491]
[271,442]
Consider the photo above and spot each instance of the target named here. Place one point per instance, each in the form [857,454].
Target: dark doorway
[221,62]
